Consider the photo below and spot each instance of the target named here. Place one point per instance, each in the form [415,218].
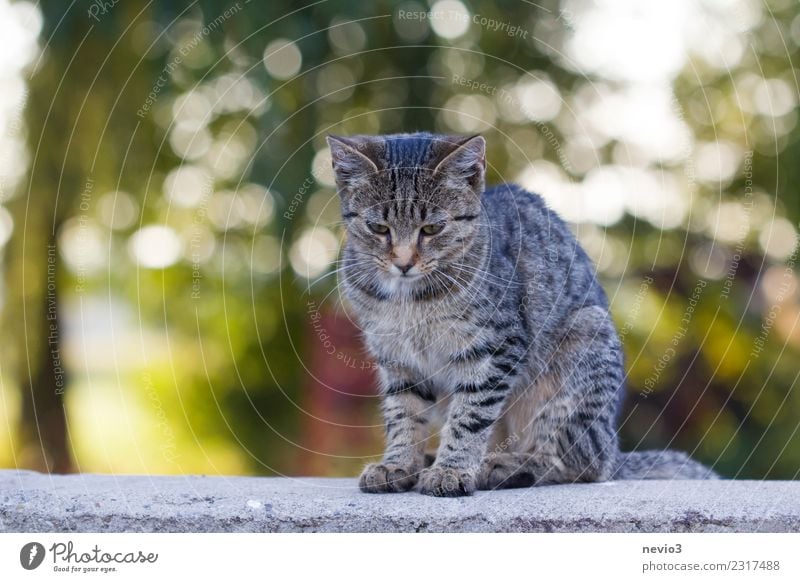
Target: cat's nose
[403,258]
[402,254]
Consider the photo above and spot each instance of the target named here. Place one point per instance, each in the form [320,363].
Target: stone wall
[34,502]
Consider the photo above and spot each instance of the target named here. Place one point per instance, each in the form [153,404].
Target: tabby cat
[483,313]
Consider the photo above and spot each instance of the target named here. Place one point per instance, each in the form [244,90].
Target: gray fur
[495,326]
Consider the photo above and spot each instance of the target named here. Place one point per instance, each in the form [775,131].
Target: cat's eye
[431,229]
[378,228]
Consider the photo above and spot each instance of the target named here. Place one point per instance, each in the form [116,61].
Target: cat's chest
[426,344]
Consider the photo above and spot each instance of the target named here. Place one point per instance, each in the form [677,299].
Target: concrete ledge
[34,502]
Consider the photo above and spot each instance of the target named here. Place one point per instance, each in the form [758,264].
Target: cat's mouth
[407,273]
[395,282]
[408,277]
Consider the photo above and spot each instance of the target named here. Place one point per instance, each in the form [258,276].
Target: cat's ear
[464,160]
[351,161]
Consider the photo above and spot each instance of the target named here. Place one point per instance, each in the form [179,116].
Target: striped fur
[494,325]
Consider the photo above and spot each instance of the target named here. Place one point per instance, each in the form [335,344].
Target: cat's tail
[660,465]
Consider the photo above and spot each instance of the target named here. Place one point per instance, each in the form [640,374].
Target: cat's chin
[401,285]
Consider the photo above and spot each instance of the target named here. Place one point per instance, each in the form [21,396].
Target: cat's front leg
[406,411]
[473,410]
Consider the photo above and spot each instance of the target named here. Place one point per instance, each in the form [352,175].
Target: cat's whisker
[460,286]
[345,265]
[483,273]
[328,274]
[362,276]
[373,255]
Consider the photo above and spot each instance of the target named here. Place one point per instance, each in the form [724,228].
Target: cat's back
[532,242]
[517,211]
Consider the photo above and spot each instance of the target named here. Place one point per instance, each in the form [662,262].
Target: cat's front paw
[446,482]
[386,478]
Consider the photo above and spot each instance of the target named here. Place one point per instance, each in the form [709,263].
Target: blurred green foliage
[177,161]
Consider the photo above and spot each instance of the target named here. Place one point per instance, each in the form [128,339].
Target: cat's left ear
[465,163]
[352,164]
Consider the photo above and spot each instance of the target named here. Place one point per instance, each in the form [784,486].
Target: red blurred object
[341,427]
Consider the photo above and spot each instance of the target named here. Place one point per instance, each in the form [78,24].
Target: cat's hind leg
[561,430]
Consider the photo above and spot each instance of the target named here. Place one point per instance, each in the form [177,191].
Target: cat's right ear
[351,166]
[464,161]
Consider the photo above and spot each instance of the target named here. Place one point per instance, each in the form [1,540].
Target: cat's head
[411,203]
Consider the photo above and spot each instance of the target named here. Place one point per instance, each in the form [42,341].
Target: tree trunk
[37,339]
